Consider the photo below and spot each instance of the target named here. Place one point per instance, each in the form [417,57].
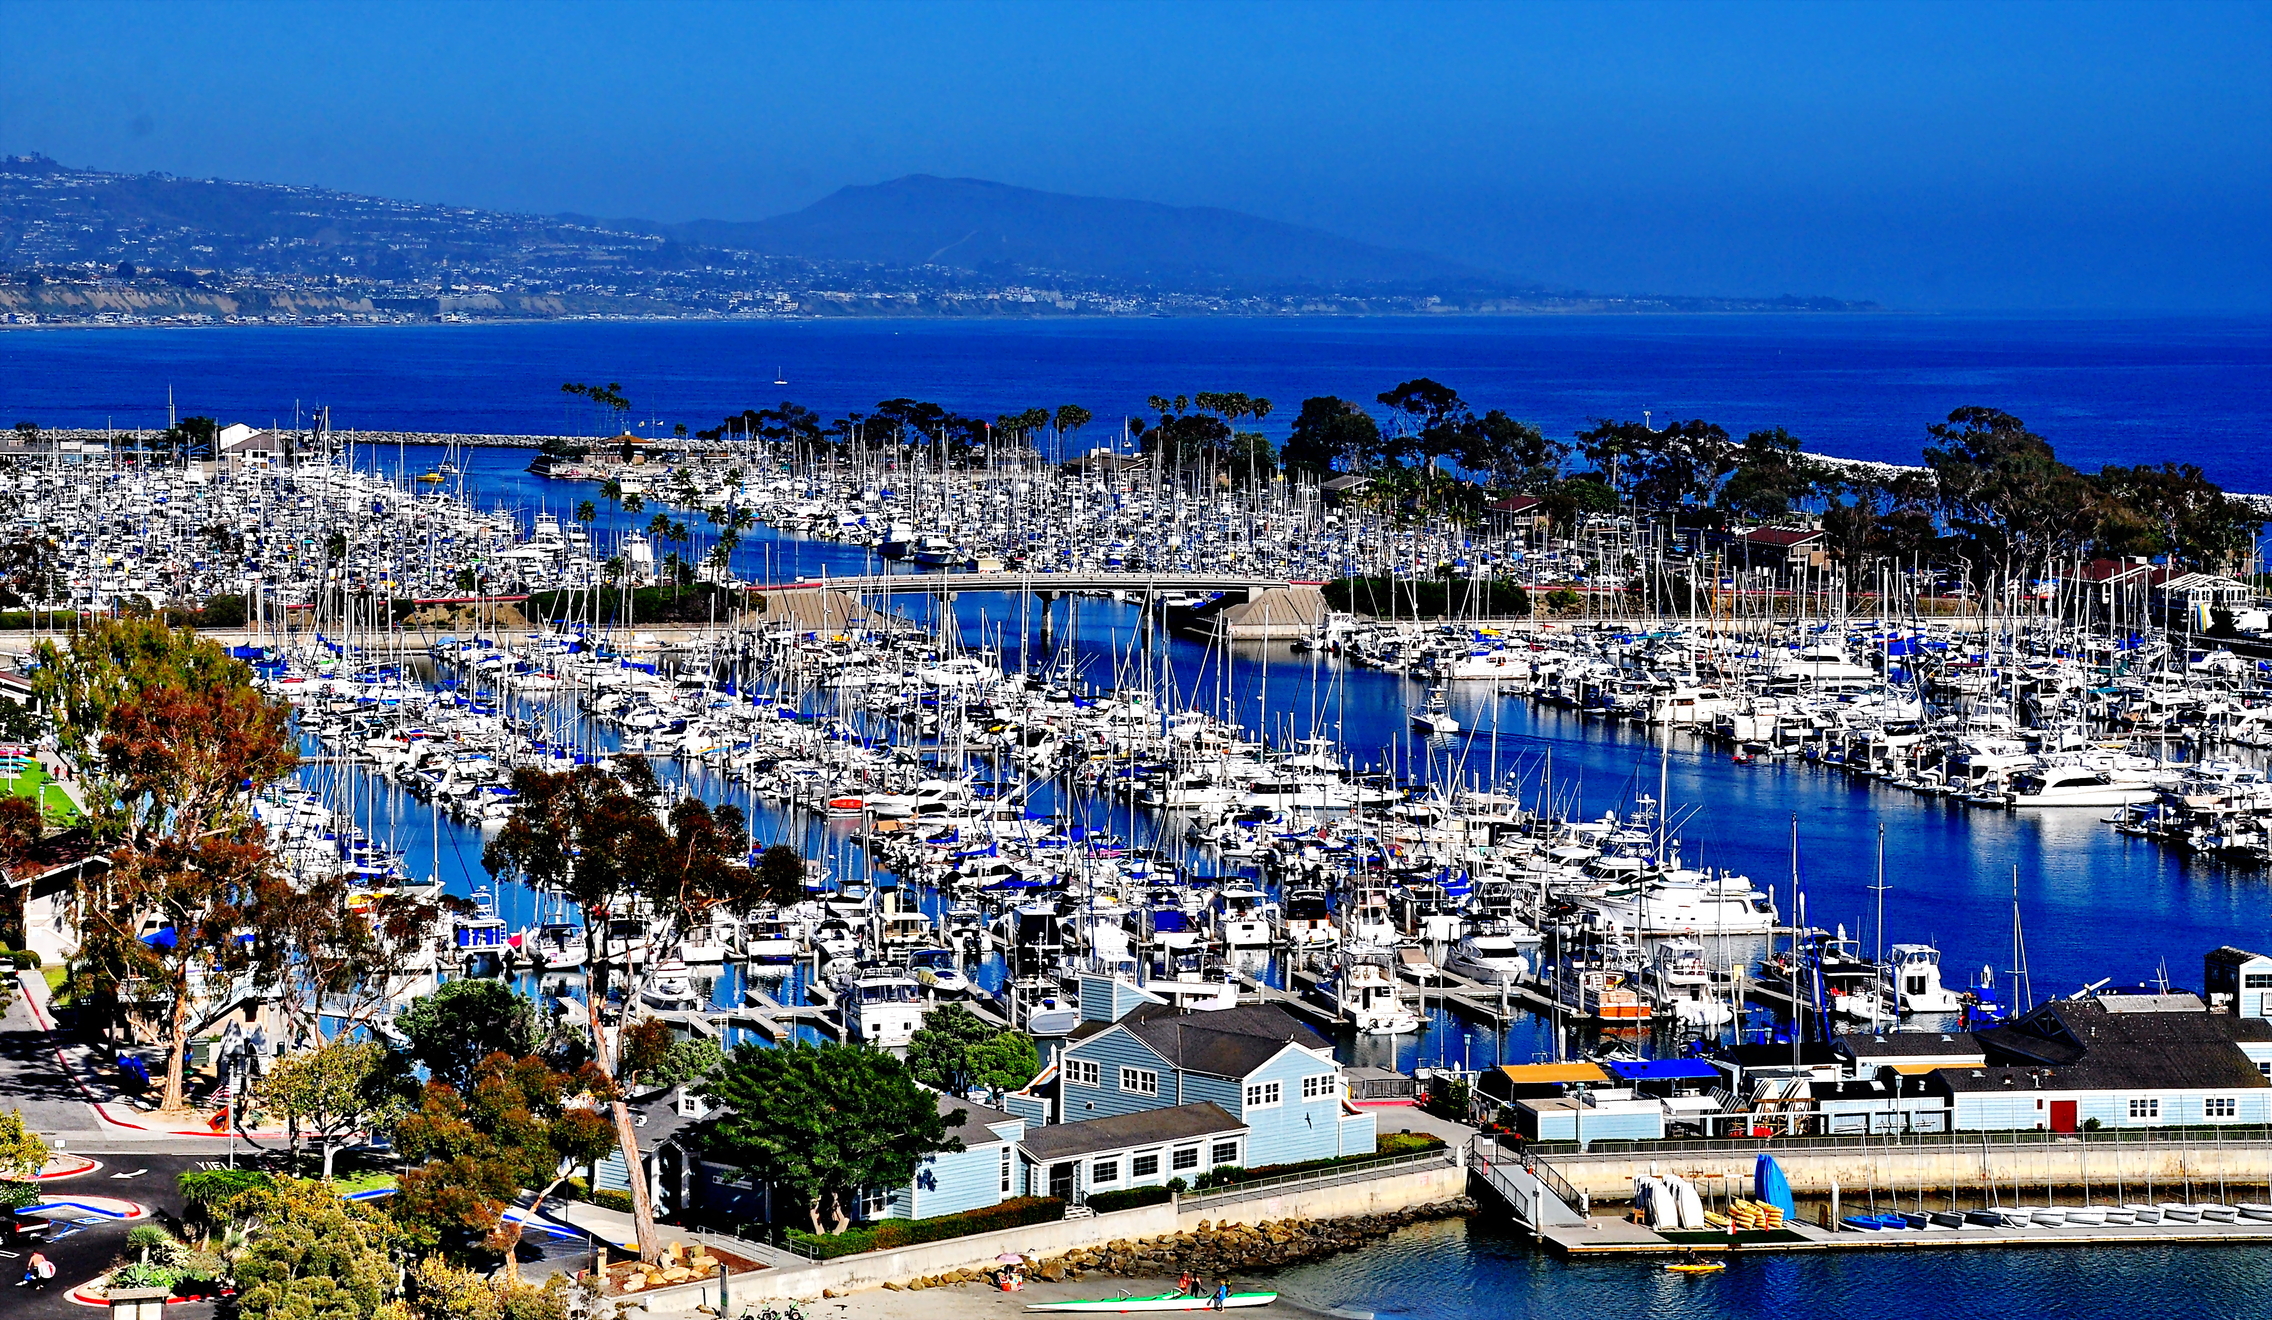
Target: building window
[1005,1171]
[874,1203]
[1139,1081]
[1104,1171]
[1318,1087]
[1225,1152]
[2220,1106]
[2257,981]
[1083,1072]
[1145,1166]
[1185,1157]
[2146,1108]
[1262,1095]
[2265,1067]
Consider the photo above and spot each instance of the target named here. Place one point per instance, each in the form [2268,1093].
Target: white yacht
[1915,970]
[1369,999]
[1242,917]
[1495,953]
[882,1008]
[1681,982]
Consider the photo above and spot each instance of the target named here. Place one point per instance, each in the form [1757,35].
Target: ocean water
[2105,389]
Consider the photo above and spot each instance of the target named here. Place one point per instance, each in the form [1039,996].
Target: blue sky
[1984,156]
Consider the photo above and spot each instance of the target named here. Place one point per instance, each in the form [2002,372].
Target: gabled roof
[2230,956]
[2092,1048]
[976,1119]
[1513,504]
[1145,1127]
[1229,1043]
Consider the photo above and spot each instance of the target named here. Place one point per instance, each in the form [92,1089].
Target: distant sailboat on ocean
[780,377]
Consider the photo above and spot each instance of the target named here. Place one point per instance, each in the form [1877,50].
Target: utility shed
[1890,1102]
[1584,1120]
[1522,1081]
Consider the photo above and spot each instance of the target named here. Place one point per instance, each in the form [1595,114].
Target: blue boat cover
[1769,1185]
[1660,1070]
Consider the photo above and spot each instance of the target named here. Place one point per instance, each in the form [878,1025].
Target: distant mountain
[923,220]
[90,246]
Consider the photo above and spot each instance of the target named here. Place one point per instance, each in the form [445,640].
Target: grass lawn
[53,802]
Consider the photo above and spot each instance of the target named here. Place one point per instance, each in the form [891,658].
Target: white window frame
[2220,1106]
[1104,1173]
[875,1202]
[1215,1160]
[1182,1158]
[1005,1170]
[2144,1107]
[1140,1081]
[1265,1095]
[1134,1173]
[1318,1086]
[1083,1072]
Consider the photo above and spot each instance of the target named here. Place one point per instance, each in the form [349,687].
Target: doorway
[2062,1116]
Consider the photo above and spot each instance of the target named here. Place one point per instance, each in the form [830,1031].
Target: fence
[2235,1135]
[1325,1177]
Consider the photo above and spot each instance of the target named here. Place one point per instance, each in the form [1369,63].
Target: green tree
[823,1122]
[334,1091]
[22,1156]
[312,1256]
[1770,477]
[1069,419]
[1004,1062]
[654,1056]
[2002,489]
[464,1022]
[1331,435]
[175,737]
[518,1123]
[781,875]
[2173,509]
[939,1053]
[586,510]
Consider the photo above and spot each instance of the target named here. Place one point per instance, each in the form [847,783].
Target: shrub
[205,1189]
[886,1234]
[610,1199]
[1404,1143]
[135,1274]
[1106,1202]
[1178,1185]
[1220,1177]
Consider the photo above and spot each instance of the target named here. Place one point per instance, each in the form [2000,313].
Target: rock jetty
[1212,1250]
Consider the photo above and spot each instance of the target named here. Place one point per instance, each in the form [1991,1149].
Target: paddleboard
[1158,1302]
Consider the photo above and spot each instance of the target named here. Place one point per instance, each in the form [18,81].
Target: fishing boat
[1158,1302]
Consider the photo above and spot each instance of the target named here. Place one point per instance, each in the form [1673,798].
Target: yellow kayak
[1707,1268]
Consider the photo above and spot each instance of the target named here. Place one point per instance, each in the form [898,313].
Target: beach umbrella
[1009,1258]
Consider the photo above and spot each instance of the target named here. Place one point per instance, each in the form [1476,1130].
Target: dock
[1598,1236]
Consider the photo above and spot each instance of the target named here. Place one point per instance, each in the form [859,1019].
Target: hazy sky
[1929,156]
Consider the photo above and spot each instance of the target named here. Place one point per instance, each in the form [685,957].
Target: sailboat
[780,377]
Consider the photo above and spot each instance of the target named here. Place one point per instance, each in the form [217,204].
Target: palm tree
[584,511]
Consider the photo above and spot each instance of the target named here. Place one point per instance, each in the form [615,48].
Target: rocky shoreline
[1211,1251]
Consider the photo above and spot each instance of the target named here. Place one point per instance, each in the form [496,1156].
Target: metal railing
[1356,1171]
[1528,1159]
[2237,1136]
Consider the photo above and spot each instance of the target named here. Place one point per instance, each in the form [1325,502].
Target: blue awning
[1663,1070]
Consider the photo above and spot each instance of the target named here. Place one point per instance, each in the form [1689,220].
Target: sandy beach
[973,1302]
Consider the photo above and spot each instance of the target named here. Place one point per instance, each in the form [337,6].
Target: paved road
[32,1081]
[82,1251]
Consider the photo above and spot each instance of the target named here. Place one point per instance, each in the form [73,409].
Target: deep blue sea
[2095,904]
[2106,389]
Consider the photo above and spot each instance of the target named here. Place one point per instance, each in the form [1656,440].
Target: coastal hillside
[82,246]
[922,220]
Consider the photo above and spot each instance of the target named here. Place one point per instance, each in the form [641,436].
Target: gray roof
[976,1119]
[1149,1127]
[1906,1044]
[1231,1042]
[2095,1049]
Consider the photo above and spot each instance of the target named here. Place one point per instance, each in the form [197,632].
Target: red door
[2062,1116]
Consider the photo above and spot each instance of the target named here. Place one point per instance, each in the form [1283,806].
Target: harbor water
[2095,904]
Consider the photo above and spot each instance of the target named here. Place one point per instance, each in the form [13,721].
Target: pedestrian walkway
[57,1069]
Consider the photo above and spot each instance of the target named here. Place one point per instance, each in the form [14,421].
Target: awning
[1539,1074]
[1664,1070]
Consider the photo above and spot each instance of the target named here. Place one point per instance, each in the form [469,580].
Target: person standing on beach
[1222,1293]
